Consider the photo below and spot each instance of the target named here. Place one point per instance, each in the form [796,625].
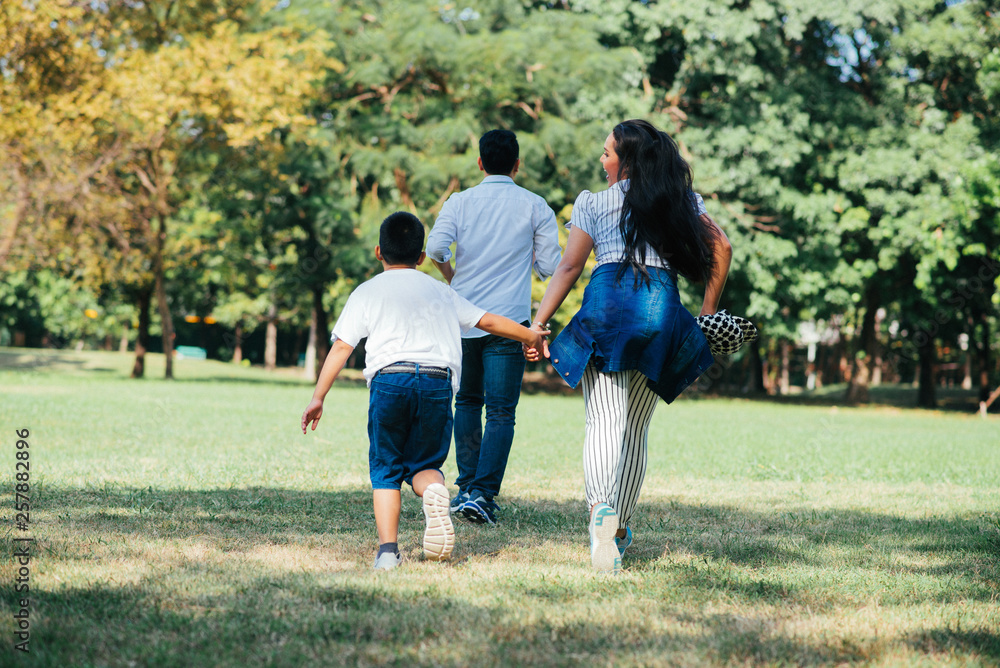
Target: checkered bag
[726,333]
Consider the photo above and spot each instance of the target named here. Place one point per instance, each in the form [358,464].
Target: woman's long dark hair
[659,211]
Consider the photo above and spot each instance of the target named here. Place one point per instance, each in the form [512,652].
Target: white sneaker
[604,555]
[388,561]
[439,534]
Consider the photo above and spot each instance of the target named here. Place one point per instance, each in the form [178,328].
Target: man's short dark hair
[401,238]
[499,151]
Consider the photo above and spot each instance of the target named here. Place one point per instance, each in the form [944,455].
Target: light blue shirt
[500,230]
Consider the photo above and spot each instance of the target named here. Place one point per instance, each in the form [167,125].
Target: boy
[413,365]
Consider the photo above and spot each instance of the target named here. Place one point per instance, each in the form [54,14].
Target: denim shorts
[409,427]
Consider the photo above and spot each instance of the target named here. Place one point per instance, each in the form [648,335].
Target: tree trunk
[811,365]
[861,372]
[21,203]
[967,369]
[238,344]
[843,366]
[984,361]
[783,384]
[322,329]
[310,366]
[166,320]
[765,371]
[876,349]
[271,339]
[822,355]
[926,397]
[142,334]
[756,369]
[123,343]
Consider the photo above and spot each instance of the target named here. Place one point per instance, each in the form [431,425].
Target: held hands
[539,347]
[313,412]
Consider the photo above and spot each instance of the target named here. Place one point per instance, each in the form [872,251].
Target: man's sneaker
[388,561]
[439,533]
[480,510]
[456,503]
[623,543]
[604,554]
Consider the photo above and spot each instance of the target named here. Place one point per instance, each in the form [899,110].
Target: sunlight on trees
[234,159]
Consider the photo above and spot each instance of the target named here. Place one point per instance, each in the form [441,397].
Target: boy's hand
[535,354]
[538,346]
[313,412]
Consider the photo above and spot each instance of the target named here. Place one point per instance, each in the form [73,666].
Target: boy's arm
[507,328]
[334,364]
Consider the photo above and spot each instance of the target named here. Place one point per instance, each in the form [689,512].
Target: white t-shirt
[408,317]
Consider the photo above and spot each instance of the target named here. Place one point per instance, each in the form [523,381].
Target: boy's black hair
[401,238]
[498,150]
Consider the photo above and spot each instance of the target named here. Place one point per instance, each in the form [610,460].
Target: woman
[632,340]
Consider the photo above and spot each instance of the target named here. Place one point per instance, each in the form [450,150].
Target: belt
[411,367]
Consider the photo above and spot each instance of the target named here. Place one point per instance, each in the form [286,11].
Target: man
[500,230]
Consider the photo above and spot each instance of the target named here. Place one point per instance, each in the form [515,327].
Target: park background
[179,178]
[212,174]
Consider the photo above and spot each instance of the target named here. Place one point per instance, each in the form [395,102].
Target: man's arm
[334,364]
[723,252]
[546,242]
[441,237]
[445,268]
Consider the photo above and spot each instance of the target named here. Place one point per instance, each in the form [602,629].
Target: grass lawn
[190,523]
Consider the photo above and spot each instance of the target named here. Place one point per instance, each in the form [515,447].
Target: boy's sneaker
[456,503]
[480,510]
[388,561]
[604,555]
[439,533]
[623,543]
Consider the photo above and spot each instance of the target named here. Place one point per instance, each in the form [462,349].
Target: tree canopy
[232,159]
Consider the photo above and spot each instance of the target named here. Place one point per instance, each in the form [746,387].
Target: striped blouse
[598,213]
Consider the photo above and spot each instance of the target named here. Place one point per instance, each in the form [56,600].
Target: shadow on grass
[894,395]
[50,361]
[109,364]
[957,641]
[315,619]
[722,547]
[738,543]
[304,620]
[217,610]
[344,380]
[535,381]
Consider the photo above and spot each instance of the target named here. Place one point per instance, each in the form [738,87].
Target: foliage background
[164,163]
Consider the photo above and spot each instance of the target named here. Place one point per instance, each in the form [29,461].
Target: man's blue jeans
[492,369]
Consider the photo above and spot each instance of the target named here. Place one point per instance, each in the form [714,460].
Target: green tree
[183,80]
[829,139]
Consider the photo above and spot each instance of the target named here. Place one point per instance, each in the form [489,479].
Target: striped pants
[619,407]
